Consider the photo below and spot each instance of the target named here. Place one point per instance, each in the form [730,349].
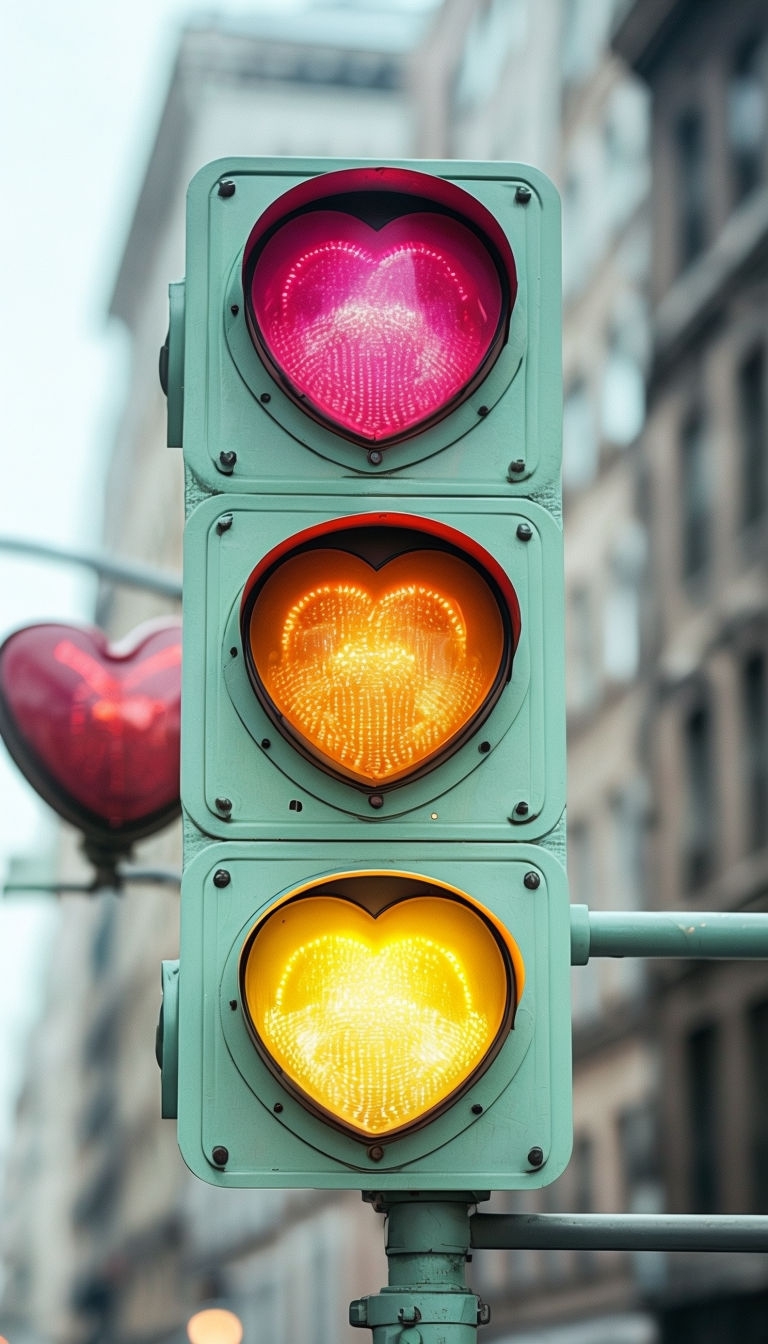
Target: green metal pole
[427,1300]
[640,933]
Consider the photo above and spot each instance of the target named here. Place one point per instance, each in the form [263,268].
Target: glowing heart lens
[377,315]
[377,670]
[96,728]
[379,1020]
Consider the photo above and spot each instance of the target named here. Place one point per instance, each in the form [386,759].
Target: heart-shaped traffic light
[95,727]
[376,1015]
[381,303]
[379,643]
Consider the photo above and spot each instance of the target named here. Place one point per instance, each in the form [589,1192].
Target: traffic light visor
[379,299]
[379,1012]
[379,648]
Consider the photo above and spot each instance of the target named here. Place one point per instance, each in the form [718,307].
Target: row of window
[704,1065]
[745,118]
[698,445]
[603,620]
[703,774]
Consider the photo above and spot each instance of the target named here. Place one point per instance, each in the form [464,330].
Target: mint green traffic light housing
[293,494]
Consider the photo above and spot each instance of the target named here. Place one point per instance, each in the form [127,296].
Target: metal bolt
[376,1152]
[227,460]
[531,881]
[483,410]
[233,1005]
[221,878]
[483,1313]
[234,309]
[375,457]
[227,189]
[521,809]
[265,398]
[265,743]
[220,1155]
[277,1108]
[536,1157]
[477,1109]
[223,805]
[409,1315]
[484,747]
[516,468]
[375,801]
[524,532]
[523,195]
[225,522]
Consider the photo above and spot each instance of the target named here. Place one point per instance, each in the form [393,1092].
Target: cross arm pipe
[706,935]
[618,1232]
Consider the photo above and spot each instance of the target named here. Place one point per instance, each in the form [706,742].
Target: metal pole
[427,1300]
[641,933]
[120,571]
[624,1232]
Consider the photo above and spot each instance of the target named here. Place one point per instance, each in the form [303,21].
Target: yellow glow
[214,1325]
[377,669]
[377,1020]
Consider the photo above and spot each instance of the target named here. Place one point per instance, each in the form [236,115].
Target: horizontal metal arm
[641,933]
[126,572]
[618,1232]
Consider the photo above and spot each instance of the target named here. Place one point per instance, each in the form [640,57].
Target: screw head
[227,460]
[375,457]
[536,1157]
[220,1155]
[521,810]
[227,189]
[376,1152]
[531,881]
[376,801]
[224,523]
[224,806]
[221,878]
[517,467]
[523,194]
[524,532]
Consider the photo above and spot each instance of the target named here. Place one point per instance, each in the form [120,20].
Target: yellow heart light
[377,671]
[378,1021]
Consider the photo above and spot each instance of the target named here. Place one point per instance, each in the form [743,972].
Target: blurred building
[706,507]
[666,629]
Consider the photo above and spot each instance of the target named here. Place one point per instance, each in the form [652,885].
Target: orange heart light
[377,670]
[377,1020]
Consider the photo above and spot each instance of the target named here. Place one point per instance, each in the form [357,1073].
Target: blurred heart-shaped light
[95,727]
[378,1020]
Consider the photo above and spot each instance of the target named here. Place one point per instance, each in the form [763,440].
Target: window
[581,644]
[754,755]
[757,1036]
[579,438]
[696,496]
[623,393]
[691,154]
[753,435]
[638,1144]
[621,629]
[701,1070]
[747,115]
[628,825]
[699,821]
[625,140]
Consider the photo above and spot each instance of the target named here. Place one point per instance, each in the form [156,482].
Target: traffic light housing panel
[364,370]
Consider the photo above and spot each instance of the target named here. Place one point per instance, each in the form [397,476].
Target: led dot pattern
[376,670]
[377,1021]
[376,330]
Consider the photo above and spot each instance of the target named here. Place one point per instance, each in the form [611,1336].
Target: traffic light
[95,727]
[363,369]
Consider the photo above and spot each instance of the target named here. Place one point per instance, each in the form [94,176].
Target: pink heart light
[377,331]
